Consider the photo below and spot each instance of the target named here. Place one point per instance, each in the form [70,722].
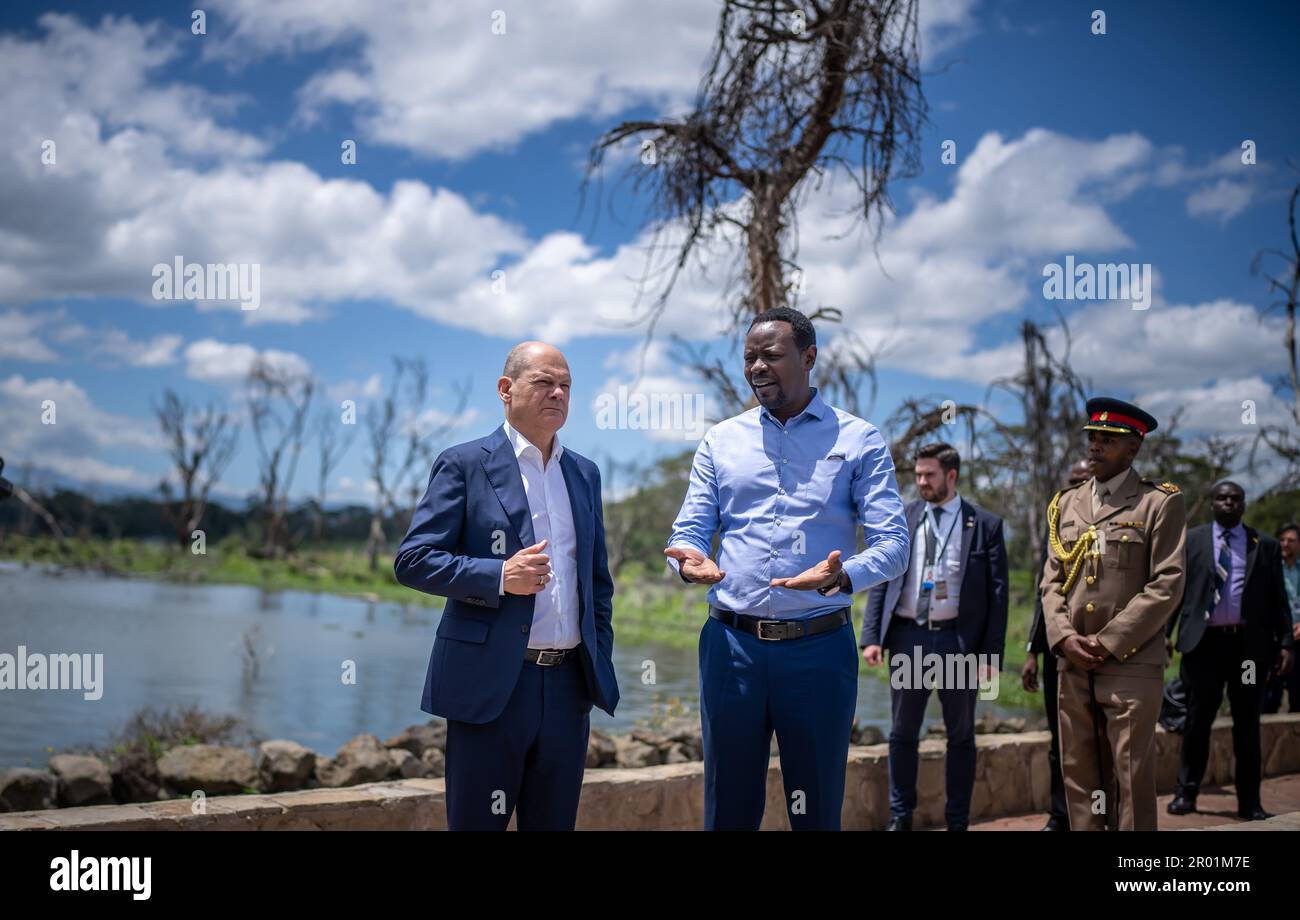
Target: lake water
[172,644]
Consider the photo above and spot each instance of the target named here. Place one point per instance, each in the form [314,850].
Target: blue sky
[226,147]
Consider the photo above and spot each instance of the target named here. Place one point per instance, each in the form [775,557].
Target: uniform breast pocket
[1127,548]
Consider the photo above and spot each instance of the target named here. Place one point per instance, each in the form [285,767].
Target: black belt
[1231,628]
[547,657]
[775,630]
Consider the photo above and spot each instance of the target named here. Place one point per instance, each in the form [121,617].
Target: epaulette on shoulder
[1167,487]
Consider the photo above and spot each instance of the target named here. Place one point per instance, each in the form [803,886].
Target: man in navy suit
[950,603]
[512,532]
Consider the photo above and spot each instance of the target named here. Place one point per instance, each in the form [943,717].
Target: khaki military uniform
[1122,577]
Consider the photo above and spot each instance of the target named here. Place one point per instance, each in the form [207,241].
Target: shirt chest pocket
[821,478]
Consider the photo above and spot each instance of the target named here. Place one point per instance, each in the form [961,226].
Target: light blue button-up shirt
[783,498]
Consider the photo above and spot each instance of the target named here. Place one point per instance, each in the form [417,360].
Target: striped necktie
[1222,572]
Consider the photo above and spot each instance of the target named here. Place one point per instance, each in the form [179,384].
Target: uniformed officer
[1114,577]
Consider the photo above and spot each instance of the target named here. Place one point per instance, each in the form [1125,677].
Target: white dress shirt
[555,614]
[947,562]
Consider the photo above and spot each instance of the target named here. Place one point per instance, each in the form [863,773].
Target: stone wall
[1011,778]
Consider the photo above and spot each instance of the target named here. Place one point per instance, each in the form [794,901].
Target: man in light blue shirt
[787,484]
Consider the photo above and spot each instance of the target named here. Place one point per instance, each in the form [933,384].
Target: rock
[686,732]
[213,769]
[600,750]
[406,765]
[364,759]
[136,778]
[83,780]
[284,765]
[419,738]
[1011,726]
[629,752]
[436,761]
[868,734]
[938,730]
[26,789]
[677,753]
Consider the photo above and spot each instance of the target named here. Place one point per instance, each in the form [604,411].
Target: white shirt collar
[522,445]
[950,508]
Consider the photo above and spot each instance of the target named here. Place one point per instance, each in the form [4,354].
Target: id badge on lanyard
[930,580]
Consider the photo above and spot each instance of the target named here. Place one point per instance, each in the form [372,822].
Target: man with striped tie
[1235,628]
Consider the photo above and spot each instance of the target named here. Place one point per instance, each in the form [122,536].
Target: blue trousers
[908,707]
[803,689]
[530,758]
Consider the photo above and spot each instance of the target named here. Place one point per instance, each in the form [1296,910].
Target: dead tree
[403,430]
[1049,441]
[1282,441]
[200,443]
[330,448]
[793,91]
[279,400]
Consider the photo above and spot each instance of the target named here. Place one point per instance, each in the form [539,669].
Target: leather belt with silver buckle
[778,630]
[547,657]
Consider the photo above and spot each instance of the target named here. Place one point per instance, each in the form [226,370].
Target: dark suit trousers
[1215,662]
[908,704]
[1273,689]
[530,758]
[804,690]
[1050,680]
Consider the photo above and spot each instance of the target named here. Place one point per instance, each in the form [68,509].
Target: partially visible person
[1288,538]
[1058,816]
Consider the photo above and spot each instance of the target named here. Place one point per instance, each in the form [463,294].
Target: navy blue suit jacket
[982,602]
[476,495]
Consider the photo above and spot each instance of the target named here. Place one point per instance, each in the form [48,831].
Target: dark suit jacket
[475,494]
[1266,612]
[1038,626]
[982,603]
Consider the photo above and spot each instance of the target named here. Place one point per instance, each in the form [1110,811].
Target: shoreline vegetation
[649,607]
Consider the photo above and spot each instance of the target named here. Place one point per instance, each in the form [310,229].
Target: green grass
[328,570]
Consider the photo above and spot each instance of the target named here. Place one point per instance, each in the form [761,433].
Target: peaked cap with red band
[1118,417]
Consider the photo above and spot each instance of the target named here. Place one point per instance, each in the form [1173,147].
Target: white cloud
[52,424]
[158,351]
[651,391]
[125,194]
[555,61]
[18,339]
[1217,407]
[1173,346]
[225,362]
[1224,199]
